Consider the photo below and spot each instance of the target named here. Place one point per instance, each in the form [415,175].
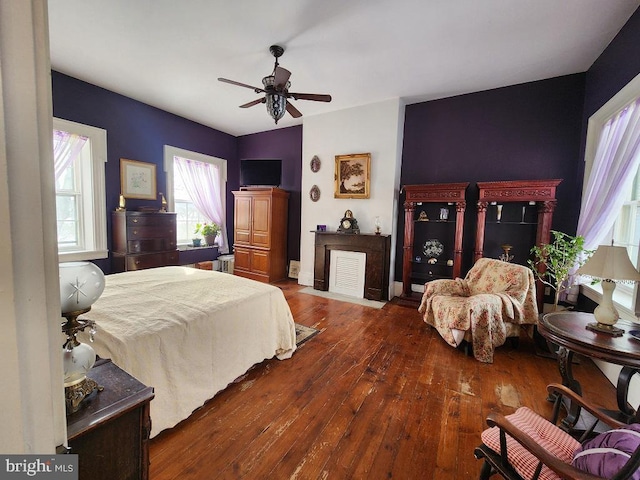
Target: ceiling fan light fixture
[276,106]
[276,103]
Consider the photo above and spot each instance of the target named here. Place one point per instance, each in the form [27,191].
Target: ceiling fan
[276,89]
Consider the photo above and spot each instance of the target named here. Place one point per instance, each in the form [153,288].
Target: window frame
[169,153]
[97,247]
[597,121]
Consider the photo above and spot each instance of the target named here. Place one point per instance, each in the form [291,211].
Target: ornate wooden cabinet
[433,228]
[143,240]
[110,432]
[513,216]
[260,233]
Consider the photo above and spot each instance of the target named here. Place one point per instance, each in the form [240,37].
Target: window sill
[82,256]
[184,247]
[621,299]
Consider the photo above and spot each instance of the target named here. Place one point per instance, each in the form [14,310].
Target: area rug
[343,298]
[304,333]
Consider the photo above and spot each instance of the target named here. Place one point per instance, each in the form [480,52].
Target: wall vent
[346,273]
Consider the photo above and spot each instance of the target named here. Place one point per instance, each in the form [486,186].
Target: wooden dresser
[143,240]
[110,432]
[260,233]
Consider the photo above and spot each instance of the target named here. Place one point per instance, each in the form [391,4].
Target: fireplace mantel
[376,247]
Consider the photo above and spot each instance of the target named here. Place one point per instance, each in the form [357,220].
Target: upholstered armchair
[489,305]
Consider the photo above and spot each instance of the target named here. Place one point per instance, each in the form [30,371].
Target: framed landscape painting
[353,175]
[138,179]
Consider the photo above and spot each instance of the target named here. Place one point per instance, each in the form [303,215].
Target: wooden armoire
[260,233]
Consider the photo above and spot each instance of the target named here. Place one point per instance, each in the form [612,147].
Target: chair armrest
[564,470]
[594,410]
[452,288]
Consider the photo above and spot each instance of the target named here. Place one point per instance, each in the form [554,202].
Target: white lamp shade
[610,263]
[81,284]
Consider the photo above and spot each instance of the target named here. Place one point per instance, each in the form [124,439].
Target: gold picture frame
[138,179]
[353,176]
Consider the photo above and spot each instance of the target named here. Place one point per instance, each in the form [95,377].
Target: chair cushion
[547,435]
[607,453]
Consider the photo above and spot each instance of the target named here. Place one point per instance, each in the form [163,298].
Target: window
[80,152]
[187,214]
[612,166]
[183,194]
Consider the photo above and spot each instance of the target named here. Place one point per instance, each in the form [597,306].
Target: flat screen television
[260,172]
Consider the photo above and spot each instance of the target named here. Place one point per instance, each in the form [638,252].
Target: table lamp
[81,284]
[609,264]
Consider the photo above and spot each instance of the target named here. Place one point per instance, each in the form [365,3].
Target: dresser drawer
[156,219]
[142,232]
[151,260]
[151,245]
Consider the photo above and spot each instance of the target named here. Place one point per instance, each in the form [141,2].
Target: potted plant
[209,231]
[559,259]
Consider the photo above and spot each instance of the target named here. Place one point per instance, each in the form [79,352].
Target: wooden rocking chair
[526,446]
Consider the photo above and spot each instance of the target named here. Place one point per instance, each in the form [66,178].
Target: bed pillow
[607,453]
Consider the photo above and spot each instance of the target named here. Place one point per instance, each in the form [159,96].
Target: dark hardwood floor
[377,394]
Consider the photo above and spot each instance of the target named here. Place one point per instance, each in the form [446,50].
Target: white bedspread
[188,333]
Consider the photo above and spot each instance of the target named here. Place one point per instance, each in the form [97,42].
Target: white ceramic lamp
[609,264]
[81,284]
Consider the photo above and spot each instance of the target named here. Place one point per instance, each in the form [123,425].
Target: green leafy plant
[558,259]
[207,229]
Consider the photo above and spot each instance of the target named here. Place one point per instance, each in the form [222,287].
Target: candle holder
[506,257]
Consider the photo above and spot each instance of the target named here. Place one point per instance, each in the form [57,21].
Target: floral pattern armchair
[494,297]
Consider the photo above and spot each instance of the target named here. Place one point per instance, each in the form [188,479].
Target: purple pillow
[607,453]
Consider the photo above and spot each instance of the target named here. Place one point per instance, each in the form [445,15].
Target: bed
[188,333]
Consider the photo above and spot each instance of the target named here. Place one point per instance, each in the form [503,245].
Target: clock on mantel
[348,224]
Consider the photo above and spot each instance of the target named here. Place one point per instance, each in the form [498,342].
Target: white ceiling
[169,53]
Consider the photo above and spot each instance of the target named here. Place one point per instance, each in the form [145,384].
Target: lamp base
[603,328]
[76,393]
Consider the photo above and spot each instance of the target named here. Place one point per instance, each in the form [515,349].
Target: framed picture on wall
[138,179]
[353,175]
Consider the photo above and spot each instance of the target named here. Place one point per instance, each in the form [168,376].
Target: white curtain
[203,187]
[66,147]
[614,166]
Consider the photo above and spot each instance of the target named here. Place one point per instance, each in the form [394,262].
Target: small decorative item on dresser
[121,204]
[377,223]
[163,202]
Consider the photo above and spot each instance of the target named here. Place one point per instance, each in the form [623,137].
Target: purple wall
[285,144]
[528,131]
[138,132]
[615,67]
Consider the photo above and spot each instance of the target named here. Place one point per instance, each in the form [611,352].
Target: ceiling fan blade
[282,77]
[254,102]
[293,111]
[310,96]
[233,82]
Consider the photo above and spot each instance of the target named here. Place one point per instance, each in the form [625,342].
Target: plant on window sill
[209,231]
[559,259]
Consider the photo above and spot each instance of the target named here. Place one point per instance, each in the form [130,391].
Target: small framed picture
[138,179]
[353,175]
[294,268]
